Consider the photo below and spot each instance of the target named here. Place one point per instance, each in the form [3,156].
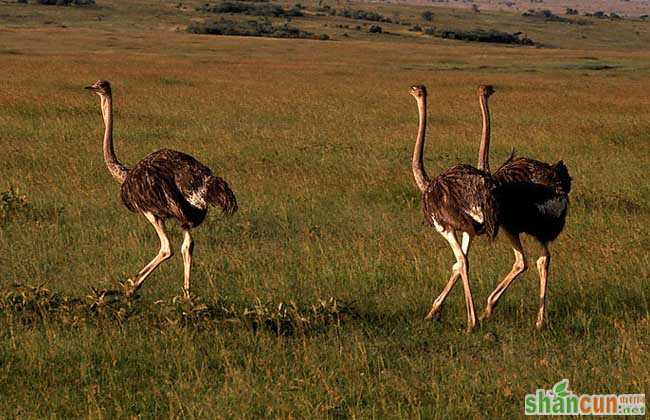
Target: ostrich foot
[485,315]
[434,314]
[473,326]
[129,287]
[185,297]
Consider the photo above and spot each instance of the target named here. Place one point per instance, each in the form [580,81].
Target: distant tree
[571,12]
[428,16]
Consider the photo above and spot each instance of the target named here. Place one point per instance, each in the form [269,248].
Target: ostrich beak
[90,87]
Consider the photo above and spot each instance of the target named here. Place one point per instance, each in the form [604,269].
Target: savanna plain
[309,301]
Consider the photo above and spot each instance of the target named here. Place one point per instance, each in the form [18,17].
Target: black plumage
[533,198]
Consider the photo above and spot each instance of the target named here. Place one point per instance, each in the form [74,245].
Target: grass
[315,138]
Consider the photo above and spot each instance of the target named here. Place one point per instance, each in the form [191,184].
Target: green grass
[315,138]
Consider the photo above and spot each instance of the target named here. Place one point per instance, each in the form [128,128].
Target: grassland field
[315,138]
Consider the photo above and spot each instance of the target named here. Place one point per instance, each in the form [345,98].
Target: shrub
[571,12]
[428,16]
[546,15]
[12,205]
[33,304]
[251,9]
[374,29]
[65,2]
[364,15]
[251,28]
[328,10]
[480,35]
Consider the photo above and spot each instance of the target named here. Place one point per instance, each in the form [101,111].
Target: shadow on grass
[579,313]
[596,310]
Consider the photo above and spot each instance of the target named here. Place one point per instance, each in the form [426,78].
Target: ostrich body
[458,203]
[165,184]
[533,198]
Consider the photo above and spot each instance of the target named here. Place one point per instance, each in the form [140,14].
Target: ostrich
[459,202]
[533,198]
[165,184]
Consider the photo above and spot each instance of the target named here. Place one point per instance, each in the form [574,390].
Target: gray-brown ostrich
[533,198]
[457,202]
[165,184]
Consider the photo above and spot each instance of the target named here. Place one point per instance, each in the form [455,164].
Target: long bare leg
[518,267]
[187,248]
[459,269]
[467,241]
[455,273]
[542,267]
[164,253]
[437,304]
[472,322]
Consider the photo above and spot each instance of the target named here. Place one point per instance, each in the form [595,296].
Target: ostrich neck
[420,174]
[484,150]
[117,170]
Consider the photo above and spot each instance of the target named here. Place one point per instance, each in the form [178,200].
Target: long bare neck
[117,170]
[419,173]
[484,150]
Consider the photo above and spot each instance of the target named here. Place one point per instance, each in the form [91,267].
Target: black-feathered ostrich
[533,198]
[459,201]
[165,184]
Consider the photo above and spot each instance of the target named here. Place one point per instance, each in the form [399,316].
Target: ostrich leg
[437,304]
[467,241]
[542,267]
[472,322]
[460,269]
[187,248]
[518,267]
[164,253]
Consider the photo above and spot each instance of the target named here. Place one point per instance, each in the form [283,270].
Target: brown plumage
[459,201]
[171,184]
[533,198]
[451,196]
[165,184]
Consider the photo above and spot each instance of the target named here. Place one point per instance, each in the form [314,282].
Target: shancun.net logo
[560,401]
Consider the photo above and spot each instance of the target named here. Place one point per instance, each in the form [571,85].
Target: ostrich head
[418,91]
[100,87]
[485,90]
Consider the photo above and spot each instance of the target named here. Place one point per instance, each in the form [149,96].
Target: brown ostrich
[165,184]
[533,198]
[458,202]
